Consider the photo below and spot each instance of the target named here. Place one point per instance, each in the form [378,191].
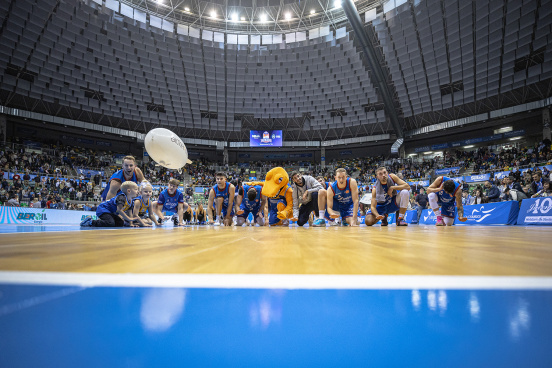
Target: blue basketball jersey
[111,205]
[246,203]
[120,177]
[222,194]
[444,197]
[343,196]
[170,203]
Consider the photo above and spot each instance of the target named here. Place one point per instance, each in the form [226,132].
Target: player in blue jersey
[129,172]
[326,185]
[250,201]
[113,213]
[143,205]
[171,200]
[445,192]
[221,196]
[389,195]
[342,198]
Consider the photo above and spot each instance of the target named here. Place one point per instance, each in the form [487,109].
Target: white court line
[263,281]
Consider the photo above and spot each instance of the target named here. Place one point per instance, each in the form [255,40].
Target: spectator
[536,185]
[493,193]
[479,198]
[61,204]
[545,191]
[36,203]
[13,202]
[421,203]
[466,198]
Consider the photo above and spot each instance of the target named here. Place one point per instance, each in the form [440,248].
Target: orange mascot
[279,194]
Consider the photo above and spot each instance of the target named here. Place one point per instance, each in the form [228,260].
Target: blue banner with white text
[447,170]
[500,213]
[477,178]
[535,211]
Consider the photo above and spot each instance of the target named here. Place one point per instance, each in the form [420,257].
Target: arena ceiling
[141,64]
[252,16]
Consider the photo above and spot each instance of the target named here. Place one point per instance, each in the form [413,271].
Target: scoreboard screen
[265,138]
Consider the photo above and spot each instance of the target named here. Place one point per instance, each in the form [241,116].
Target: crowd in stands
[59,162]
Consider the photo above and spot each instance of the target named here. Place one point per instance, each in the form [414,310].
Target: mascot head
[276,179]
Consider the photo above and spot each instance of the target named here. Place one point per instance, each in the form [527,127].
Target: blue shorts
[448,209]
[384,209]
[246,212]
[224,211]
[327,216]
[169,210]
[345,210]
[273,218]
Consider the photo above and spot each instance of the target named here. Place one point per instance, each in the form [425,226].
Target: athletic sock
[321,214]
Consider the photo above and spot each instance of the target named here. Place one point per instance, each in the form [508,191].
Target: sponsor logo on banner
[38,218]
[430,216]
[94,217]
[479,215]
[542,209]
[482,177]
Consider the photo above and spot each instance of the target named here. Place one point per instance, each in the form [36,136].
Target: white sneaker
[218,222]
[334,223]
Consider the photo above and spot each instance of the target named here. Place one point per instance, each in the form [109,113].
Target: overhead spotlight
[263,17]
[187,9]
[213,14]
[337,4]
[288,16]
[312,11]
[235,17]
[242,18]
[159,1]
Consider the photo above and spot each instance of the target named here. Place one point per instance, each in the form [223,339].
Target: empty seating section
[428,44]
[87,57]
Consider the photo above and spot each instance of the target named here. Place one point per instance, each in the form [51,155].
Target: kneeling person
[390,193]
[445,192]
[250,200]
[112,213]
[310,194]
[143,205]
[171,200]
[343,195]
[221,196]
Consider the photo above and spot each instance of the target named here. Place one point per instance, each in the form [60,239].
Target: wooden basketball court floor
[259,296]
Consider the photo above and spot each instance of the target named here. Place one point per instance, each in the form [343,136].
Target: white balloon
[166,148]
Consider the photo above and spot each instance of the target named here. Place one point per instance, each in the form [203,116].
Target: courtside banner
[500,213]
[39,216]
[535,211]
[477,178]
[428,218]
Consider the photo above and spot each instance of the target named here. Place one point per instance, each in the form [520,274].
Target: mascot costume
[279,194]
